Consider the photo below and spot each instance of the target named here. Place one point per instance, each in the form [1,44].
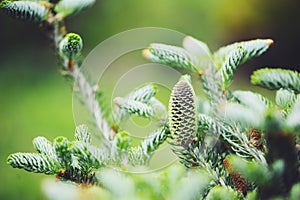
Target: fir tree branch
[137,156]
[135,107]
[159,109]
[118,115]
[247,108]
[230,65]
[196,47]
[253,48]
[82,134]
[171,55]
[141,154]
[154,140]
[62,150]
[285,98]
[71,7]
[33,162]
[200,156]
[237,140]
[275,79]
[293,118]
[25,10]
[69,47]
[243,115]
[143,94]
[207,125]
[86,160]
[212,86]
[103,157]
[200,50]
[122,142]
[252,100]
[88,93]
[44,147]
[78,160]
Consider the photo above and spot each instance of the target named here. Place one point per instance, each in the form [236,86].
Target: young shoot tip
[269,42]
[187,38]
[118,101]
[146,54]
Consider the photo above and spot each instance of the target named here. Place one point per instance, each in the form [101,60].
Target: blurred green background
[36,100]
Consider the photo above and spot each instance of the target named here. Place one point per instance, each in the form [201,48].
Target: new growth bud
[70,46]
